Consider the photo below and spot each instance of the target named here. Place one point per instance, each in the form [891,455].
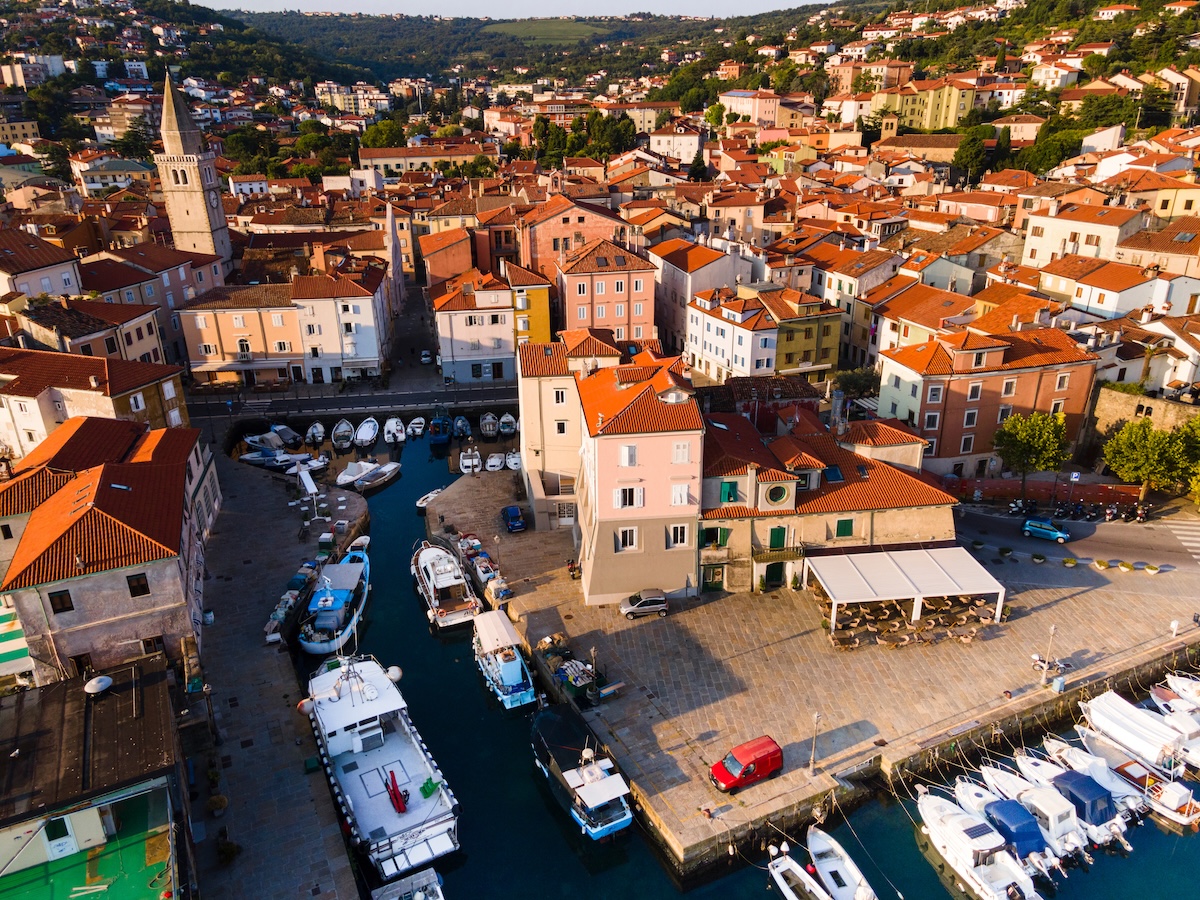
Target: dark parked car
[513,520]
[650,602]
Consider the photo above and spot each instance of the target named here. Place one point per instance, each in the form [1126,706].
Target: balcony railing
[777,554]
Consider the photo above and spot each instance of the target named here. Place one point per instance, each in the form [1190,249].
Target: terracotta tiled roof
[82,442]
[435,243]
[601,256]
[925,305]
[732,445]
[518,276]
[112,516]
[21,251]
[1113,216]
[243,296]
[1073,266]
[29,489]
[542,360]
[879,433]
[1182,236]
[612,405]
[794,454]
[109,275]
[1025,306]
[321,287]
[156,258]
[686,255]
[930,358]
[33,371]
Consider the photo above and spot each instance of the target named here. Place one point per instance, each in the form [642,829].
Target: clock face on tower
[213,200]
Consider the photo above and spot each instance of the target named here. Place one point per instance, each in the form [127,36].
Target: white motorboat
[1139,731]
[393,431]
[378,478]
[312,464]
[495,462]
[508,425]
[337,602]
[838,872]
[416,427]
[443,586]
[1167,798]
[498,655]
[1055,816]
[469,461]
[1099,817]
[273,459]
[367,433]
[342,435]
[1185,685]
[489,426]
[400,812]
[1128,797]
[315,436]
[974,850]
[291,438]
[512,459]
[268,440]
[423,502]
[1015,823]
[1169,701]
[793,880]
[354,471]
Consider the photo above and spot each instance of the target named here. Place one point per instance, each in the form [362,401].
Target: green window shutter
[845,528]
[778,538]
[728,491]
[723,537]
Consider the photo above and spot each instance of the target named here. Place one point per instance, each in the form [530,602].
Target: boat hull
[326,648]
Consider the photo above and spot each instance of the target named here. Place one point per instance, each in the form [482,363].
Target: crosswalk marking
[1187,532]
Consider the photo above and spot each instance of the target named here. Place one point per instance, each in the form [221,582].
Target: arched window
[183,176]
[243,346]
[175,176]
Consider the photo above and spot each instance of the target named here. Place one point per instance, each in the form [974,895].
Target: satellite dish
[97,685]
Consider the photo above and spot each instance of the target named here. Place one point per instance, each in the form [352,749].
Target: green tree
[1033,443]
[135,142]
[310,144]
[1003,145]
[970,157]
[857,383]
[448,131]
[698,170]
[57,164]
[1142,454]
[387,133]
[663,118]
[715,115]
[312,126]
[1001,55]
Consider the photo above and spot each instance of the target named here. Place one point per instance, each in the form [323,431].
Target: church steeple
[180,135]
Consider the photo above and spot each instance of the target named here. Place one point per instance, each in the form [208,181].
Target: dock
[724,668]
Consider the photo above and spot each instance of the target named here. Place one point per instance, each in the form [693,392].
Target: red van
[747,763]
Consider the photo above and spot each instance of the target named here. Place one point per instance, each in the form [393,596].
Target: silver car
[649,602]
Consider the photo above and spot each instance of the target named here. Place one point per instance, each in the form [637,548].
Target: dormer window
[979,358]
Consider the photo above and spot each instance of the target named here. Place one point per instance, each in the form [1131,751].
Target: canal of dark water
[517,842]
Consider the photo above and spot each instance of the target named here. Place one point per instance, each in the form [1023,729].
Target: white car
[426,357]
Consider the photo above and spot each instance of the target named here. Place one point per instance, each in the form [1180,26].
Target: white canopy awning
[902,575]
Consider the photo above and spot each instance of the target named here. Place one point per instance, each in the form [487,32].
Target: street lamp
[496,540]
[812,759]
[1049,647]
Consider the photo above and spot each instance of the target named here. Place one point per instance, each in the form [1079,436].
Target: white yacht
[1055,816]
[400,812]
[1128,797]
[443,586]
[498,655]
[1099,817]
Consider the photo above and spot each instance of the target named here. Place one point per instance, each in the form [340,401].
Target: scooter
[1143,512]
[1041,664]
[1094,512]
[1079,511]
[1110,513]
[1062,511]
[1130,513]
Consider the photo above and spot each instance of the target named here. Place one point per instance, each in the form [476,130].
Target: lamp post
[1049,648]
[496,540]
[812,759]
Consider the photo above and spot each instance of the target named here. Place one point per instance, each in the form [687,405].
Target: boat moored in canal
[582,777]
[448,596]
[498,654]
[337,602]
[399,811]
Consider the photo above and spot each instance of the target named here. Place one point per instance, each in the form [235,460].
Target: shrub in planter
[1125,566]
[1070,562]
[1039,558]
[217,804]
[1152,570]
[1006,551]
[1102,564]
[795,581]
[762,584]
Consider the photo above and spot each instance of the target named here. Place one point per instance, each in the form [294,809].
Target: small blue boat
[338,602]
[462,428]
[440,428]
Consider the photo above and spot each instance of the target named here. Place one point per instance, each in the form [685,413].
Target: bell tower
[189,183]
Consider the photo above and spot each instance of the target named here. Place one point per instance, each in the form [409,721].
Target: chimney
[64,301]
[1147,315]
[94,381]
[1016,323]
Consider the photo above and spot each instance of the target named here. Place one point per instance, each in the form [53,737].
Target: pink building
[602,285]
[559,226]
[640,478]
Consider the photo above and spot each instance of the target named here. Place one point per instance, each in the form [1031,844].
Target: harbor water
[517,842]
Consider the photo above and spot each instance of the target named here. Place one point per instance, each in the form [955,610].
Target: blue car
[1041,527]
[513,520]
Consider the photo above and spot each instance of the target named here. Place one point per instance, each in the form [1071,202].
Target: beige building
[95,328]
[32,266]
[246,333]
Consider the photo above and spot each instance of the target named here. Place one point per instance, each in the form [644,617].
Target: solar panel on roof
[977,831]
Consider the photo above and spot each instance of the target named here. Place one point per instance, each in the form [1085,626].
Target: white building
[474,314]
[352,315]
[731,333]
[1078,228]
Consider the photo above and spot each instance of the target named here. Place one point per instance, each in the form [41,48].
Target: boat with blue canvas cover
[338,601]
[440,428]
[498,655]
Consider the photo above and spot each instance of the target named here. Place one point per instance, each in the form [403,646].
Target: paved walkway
[283,819]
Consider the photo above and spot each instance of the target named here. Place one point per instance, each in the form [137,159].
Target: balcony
[245,357]
[777,554]
[714,554]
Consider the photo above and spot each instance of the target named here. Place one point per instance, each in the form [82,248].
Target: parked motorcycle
[1143,512]
[1062,511]
[1041,664]
[1094,512]
[1078,512]
[1110,513]
[1130,513]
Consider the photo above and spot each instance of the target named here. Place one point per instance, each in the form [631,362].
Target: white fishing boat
[793,880]
[1168,701]
[1015,823]
[1169,799]
[1055,816]
[416,426]
[378,478]
[489,426]
[400,812]
[1185,685]
[423,501]
[312,464]
[469,461]
[498,655]
[342,435]
[1099,816]
[337,602]
[1127,796]
[495,462]
[1139,731]
[974,850]
[393,431]
[443,586]
[354,471]
[512,459]
[367,433]
[315,436]
[838,872]
[423,885]
[272,459]
[268,440]
[508,425]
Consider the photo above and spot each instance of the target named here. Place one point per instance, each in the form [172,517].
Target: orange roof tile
[29,372]
[435,243]
[29,489]
[82,442]
[616,403]
[601,256]
[542,360]
[732,445]
[879,433]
